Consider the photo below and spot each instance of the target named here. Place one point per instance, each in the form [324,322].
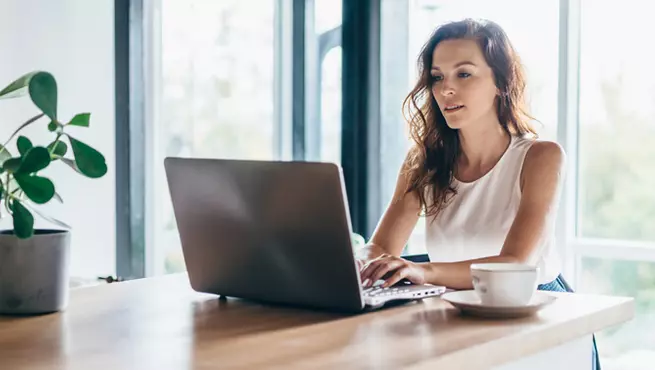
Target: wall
[73,39]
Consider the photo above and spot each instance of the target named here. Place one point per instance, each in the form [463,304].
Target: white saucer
[468,302]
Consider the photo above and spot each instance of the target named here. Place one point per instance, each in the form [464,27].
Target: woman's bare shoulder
[543,157]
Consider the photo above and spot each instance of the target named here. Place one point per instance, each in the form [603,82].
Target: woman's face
[463,84]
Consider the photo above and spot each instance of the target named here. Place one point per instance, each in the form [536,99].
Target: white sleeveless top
[476,221]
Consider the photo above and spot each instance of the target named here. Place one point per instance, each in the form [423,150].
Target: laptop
[273,231]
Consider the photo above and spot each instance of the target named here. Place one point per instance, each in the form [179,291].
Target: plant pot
[34,272]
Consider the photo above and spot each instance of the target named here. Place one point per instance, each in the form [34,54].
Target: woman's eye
[464,75]
[437,78]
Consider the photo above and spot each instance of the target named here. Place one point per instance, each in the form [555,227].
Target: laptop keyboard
[377,295]
[388,291]
[380,291]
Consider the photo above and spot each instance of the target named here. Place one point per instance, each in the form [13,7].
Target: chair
[418,258]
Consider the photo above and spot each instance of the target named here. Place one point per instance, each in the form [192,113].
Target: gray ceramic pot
[34,272]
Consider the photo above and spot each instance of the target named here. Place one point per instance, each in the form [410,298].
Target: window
[214,97]
[406,25]
[616,205]
[331,106]
[617,171]
[327,41]
[630,345]
[214,94]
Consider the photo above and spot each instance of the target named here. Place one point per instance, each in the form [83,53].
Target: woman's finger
[400,274]
[368,267]
[372,264]
[380,272]
[373,270]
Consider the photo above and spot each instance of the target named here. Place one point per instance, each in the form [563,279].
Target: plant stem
[52,150]
[31,120]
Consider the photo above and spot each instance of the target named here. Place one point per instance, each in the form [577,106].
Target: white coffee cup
[504,284]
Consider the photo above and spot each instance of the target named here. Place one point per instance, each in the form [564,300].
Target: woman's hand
[395,268]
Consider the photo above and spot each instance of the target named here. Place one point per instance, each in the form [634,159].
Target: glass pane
[533,28]
[216,96]
[617,110]
[327,17]
[331,106]
[629,346]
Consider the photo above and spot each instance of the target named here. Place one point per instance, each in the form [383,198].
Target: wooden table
[160,323]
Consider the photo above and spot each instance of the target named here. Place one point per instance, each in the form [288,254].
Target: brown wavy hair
[432,159]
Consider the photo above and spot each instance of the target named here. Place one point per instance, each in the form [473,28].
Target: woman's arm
[541,181]
[395,226]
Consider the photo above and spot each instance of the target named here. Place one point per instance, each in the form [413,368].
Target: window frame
[129,28]
[567,133]
[575,247]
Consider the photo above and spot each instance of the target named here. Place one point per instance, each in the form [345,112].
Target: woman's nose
[447,88]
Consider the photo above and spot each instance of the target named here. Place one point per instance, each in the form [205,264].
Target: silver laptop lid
[271,231]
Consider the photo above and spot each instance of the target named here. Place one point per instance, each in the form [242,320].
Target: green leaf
[35,160]
[39,189]
[89,161]
[24,144]
[4,154]
[48,218]
[60,148]
[81,119]
[52,126]
[18,87]
[43,92]
[23,220]
[12,164]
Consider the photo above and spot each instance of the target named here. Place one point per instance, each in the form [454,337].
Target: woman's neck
[482,148]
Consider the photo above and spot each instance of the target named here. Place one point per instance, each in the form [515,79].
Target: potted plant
[34,263]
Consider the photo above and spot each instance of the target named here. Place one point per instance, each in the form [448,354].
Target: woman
[488,187]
